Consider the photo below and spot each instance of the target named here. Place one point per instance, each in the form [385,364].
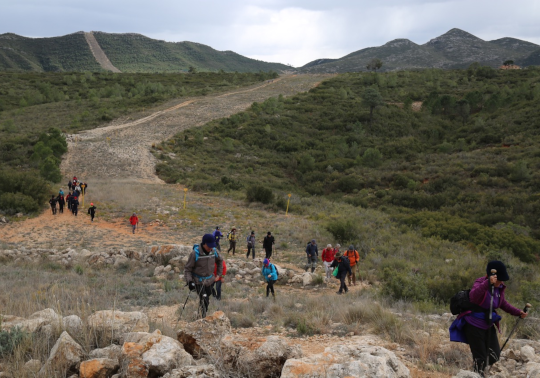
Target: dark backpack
[460,303]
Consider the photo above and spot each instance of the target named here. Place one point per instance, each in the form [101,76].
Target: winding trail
[121,151]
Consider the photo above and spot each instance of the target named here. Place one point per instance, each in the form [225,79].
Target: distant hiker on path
[268,244]
[472,327]
[61,202]
[74,206]
[354,258]
[270,274]
[344,268]
[251,244]
[312,255]
[52,202]
[92,211]
[199,270]
[328,258]
[232,240]
[134,221]
[218,235]
[219,280]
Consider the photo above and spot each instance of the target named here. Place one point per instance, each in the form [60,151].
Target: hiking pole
[490,321]
[185,303]
[525,310]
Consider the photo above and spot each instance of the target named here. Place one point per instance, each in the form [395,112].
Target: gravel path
[122,150]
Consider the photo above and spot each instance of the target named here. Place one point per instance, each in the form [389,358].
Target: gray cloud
[287,31]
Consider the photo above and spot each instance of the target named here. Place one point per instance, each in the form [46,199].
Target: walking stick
[184,307]
[490,322]
[525,310]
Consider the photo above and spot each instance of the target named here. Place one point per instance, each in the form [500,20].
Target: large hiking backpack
[460,303]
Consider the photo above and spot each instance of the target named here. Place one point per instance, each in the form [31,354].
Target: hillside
[454,49]
[127,52]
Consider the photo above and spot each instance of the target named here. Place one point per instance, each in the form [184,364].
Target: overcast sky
[291,32]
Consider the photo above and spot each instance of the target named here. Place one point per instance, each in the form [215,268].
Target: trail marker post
[288,201]
[185,194]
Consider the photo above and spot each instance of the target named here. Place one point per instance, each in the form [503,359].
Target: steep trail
[122,150]
[99,54]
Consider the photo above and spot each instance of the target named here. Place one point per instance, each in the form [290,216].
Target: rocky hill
[454,49]
[127,52]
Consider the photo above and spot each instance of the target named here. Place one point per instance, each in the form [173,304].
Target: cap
[329,246]
[266,261]
[234,228]
[91,204]
[338,245]
[209,240]
[351,247]
[338,254]
[502,274]
[252,232]
[269,233]
[313,241]
[217,228]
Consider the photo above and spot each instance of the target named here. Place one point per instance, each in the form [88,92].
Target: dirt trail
[122,150]
[98,53]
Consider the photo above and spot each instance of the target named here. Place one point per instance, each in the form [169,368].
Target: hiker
[134,221]
[219,280]
[92,211]
[61,202]
[270,274]
[52,202]
[472,327]
[328,258]
[199,270]
[218,235]
[344,267]
[312,254]
[251,244]
[268,244]
[232,240]
[75,205]
[70,185]
[68,200]
[354,258]
[60,192]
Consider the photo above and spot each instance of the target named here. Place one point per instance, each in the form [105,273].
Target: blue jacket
[270,269]
[312,250]
[218,235]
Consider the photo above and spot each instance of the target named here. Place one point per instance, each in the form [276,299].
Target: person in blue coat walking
[270,274]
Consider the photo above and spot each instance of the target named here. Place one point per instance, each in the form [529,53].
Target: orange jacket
[353,256]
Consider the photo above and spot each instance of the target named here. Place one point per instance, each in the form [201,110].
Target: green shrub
[13,203]
[258,193]
[10,339]
[344,231]
[372,158]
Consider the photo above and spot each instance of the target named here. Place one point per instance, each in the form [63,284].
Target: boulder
[307,279]
[466,374]
[112,352]
[202,336]
[65,356]
[98,368]
[34,323]
[533,370]
[348,360]
[165,356]
[199,371]
[33,366]
[527,353]
[132,364]
[120,261]
[72,324]
[113,324]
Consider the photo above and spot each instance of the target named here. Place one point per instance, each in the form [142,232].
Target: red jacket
[133,220]
[328,254]
[223,273]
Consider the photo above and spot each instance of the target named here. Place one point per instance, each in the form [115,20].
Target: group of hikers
[205,270]
[76,189]
[267,243]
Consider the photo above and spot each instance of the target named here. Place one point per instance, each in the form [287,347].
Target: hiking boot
[339,292]
[312,270]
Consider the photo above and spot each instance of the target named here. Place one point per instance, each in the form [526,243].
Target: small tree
[508,62]
[192,70]
[374,64]
[372,98]
[463,110]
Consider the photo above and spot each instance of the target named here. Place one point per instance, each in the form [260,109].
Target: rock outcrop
[65,357]
[113,325]
[202,337]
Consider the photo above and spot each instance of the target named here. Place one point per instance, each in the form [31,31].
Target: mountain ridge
[454,49]
[129,52]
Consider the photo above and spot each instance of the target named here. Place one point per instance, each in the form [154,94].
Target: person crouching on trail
[199,270]
[269,272]
[219,280]
[92,211]
[354,258]
[344,268]
[134,221]
[328,258]
[312,255]
[472,327]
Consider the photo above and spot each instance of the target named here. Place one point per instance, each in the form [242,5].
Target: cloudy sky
[292,32]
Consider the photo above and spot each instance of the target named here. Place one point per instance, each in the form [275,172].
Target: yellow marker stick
[288,201]
[185,194]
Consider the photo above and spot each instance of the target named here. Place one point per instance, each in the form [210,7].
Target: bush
[372,158]
[9,340]
[343,231]
[258,193]
[13,203]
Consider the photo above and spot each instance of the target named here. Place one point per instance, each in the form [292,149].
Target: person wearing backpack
[218,235]
[134,221]
[270,275]
[354,258]
[312,254]
[61,203]
[231,237]
[92,211]
[268,244]
[473,327]
[219,280]
[343,269]
[52,202]
[251,244]
[199,270]
[75,205]
[328,258]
